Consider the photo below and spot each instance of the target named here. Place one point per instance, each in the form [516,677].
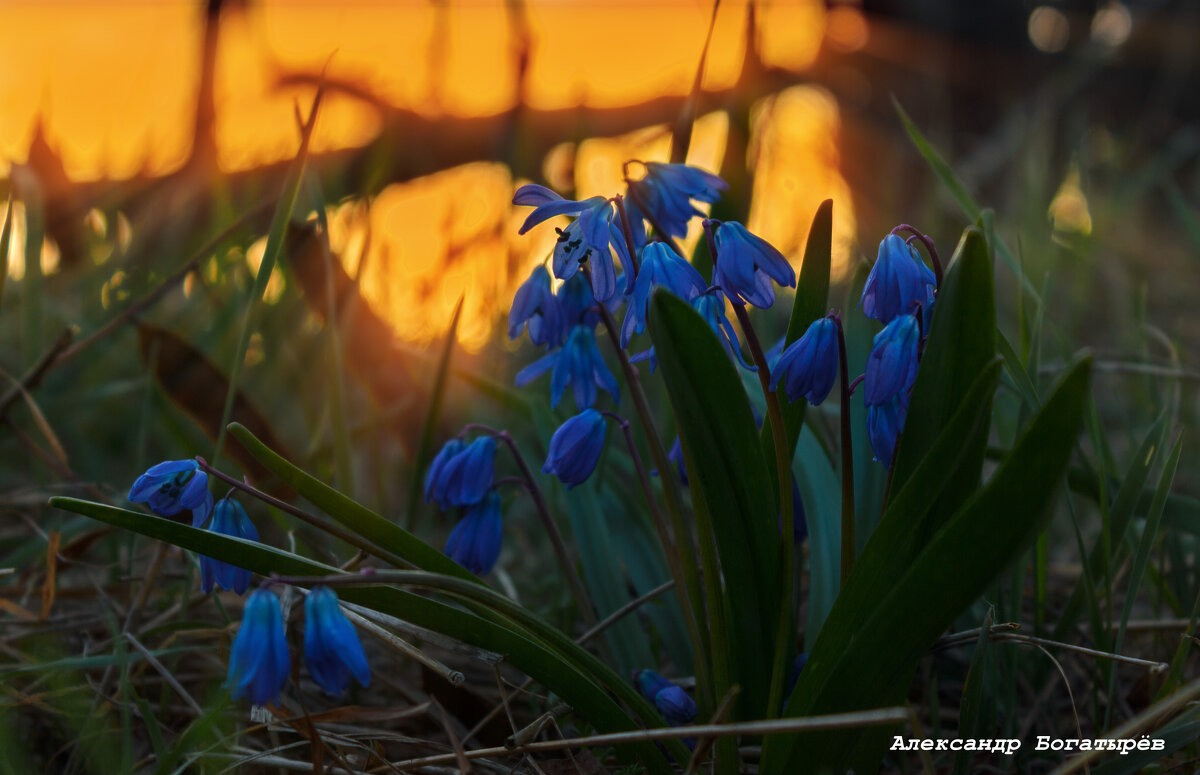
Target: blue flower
[898,281]
[663,268]
[711,306]
[332,650]
[884,423]
[461,474]
[666,193]
[259,663]
[536,306]
[676,705]
[809,366]
[586,238]
[578,364]
[676,457]
[172,486]
[575,448]
[747,264]
[229,518]
[579,306]
[892,364]
[475,541]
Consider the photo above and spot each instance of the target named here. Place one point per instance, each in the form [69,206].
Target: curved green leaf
[350,512]
[961,343]
[526,649]
[812,295]
[966,554]
[729,482]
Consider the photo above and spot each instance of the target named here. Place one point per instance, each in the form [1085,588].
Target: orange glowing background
[114,86]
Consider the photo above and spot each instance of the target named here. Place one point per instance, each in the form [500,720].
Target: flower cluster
[899,292]
[260,661]
[639,232]
[463,476]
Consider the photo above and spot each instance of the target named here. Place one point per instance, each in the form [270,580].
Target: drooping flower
[666,193]
[332,649]
[884,423]
[746,265]
[892,364]
[676,706]
[229,518]
[587,238]
[809,365]
[898,282]
[661,268]
[578,364]
[475,541]
[173,486]
[461,474]
[711,306]
[259,663]
[575,448]
[578,304]
[676,457]
[535,306]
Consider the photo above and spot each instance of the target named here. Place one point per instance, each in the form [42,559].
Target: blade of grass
[275,240]
[432,416]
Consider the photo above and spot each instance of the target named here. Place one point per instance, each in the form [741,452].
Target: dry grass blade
[50,584]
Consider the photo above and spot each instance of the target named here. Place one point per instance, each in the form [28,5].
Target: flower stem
[680,554]
[543,509]
[928,243]
[315,521]
[848,544]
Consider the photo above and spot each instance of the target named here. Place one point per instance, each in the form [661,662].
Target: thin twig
[881,717]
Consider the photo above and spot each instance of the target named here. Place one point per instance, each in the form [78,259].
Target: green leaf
[961,343]
[5,239]
[970,725]
[351,513]
[821,493]
[945,173]
[528,650]
[1120,514]
[906,612]
[812,296]
[730,476]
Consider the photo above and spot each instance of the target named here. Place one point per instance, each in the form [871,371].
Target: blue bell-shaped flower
[661,268]
[259,662]
[810,365]
[475,541]
[585,239]
[536,307]
[884,423]
[666,193]
[461,474]
[892,364]
[173,486]
[747,264]
[575,448]
[229,518]
[898,283]
[578,364]
[332,649]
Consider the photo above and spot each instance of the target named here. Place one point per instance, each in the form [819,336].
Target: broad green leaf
[352,514]
[821,493]
[812,295]
[578,685]
[730,477]
[970,725]
[870,477]
[908,612]
[961,343]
